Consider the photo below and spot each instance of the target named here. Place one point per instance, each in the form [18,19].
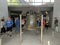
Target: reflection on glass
[37,3]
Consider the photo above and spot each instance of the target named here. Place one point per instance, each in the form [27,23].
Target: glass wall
[13,2]
[39,1]
[31,2]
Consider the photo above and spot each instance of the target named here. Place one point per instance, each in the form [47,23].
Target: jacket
[9,23]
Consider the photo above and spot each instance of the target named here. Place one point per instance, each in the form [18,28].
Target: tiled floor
[32,38]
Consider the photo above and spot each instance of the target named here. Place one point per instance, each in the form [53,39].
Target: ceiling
[26,8]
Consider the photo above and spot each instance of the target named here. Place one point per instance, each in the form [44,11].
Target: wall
[50,18]
[3,8]
[56,12]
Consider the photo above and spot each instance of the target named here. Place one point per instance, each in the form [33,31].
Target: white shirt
[2,24]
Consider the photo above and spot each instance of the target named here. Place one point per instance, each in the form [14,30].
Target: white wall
[3,8]
[56,12]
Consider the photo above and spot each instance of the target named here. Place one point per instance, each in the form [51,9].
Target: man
[2,26]
[38,22]
[9,24]
[56,24]
[17,23]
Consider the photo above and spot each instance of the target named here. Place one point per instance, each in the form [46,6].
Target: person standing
[38,22]
[56,24]
[23,21]
[8,25]
[2,26]
[17,24]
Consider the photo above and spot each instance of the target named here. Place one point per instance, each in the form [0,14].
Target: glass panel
[13,0]
[13,4]
[38,0]
[44,3]
[8,0]
[37,3]
[27,0]
[33,0]
[52,0]
[46,0]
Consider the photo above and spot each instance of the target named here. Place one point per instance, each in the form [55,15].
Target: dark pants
[46,26]
[9,29]
[3,30]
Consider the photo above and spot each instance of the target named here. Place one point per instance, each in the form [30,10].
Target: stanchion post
[20,30]
[0,41]
[41,27]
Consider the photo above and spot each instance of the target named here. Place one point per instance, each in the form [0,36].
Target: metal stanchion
[20,30]
[41,27]
[0,41]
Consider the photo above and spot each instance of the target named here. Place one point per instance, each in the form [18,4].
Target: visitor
[17,24]
[8,25]
[2,26]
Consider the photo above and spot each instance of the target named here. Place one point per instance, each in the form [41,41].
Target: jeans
[17,29]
